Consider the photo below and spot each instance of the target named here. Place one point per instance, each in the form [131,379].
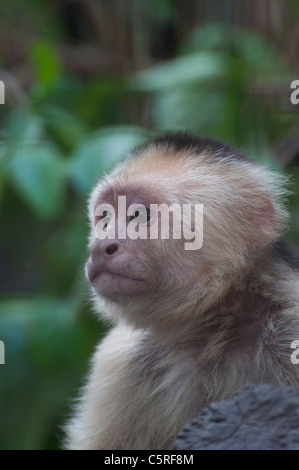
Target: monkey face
[240,218]
[137,244]
[127,258]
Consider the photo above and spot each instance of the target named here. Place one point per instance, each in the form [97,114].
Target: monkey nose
[111,249]
[103,249]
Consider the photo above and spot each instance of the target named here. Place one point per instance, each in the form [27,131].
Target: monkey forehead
[183,173]
[145,192]
[167,162]
[206,168]
[148,177]
[158,170]
[179,165]
[156,175]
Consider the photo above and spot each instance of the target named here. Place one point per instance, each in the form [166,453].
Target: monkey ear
[261,219]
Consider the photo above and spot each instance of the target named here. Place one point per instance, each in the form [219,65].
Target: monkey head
[242,215]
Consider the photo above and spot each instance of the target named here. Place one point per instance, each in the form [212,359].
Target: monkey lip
[107,280]
[113,274]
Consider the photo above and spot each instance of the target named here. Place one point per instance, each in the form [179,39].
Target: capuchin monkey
[191,325]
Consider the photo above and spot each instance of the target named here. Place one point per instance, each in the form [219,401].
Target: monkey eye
[107,214]
[141,215]
[105,219]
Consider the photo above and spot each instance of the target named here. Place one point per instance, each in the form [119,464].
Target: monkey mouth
[106,281]
[113,275]
[93,272]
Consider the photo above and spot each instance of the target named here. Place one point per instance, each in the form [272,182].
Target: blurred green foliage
[52,152]
[209,88]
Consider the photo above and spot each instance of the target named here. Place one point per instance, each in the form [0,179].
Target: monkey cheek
[114,286]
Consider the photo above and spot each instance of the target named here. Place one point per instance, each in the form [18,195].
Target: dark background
[86,80]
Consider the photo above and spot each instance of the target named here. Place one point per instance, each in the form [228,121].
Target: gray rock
[259,418]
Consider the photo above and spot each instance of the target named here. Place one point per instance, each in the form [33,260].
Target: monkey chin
[115,286]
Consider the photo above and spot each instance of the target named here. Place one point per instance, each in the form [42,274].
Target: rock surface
[259,418]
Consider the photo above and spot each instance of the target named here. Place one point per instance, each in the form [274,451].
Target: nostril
[111,249]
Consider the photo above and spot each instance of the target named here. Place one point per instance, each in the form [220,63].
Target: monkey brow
[107,193]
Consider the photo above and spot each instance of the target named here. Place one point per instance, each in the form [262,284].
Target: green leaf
[100,152]
[208,37]
[197,109]
[252,50]
[181,71]
[37,174]
[64,127]
[22,127]
[46,63]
